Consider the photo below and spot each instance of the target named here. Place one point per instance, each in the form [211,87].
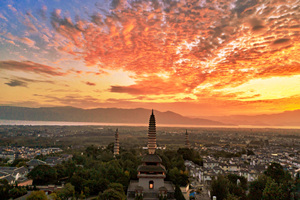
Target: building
[35,162]
[151,173]
[13,174]
[116,145]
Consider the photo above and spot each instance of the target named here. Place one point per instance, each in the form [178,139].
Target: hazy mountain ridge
[103,115]
[286,118]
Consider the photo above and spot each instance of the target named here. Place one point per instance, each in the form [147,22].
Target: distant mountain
[103,115]
[287,118]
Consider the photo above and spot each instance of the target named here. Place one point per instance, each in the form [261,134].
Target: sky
[196,58]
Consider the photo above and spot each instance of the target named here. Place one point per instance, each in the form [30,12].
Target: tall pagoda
[152,134]
[151,173]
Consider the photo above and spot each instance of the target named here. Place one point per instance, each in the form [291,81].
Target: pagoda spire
[116,144]
[187,141]
[152,134]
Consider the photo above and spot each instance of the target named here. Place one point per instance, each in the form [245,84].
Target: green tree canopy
[118,187]
[43,175]
[114,192]
[111,194]
[178,194]
[37,195]
[275,171]
[272,191]
[257,187]
[67,191]
[219,187]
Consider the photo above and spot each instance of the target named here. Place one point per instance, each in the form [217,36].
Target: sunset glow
[196,58]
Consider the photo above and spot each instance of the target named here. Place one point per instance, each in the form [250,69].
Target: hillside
[287,118]
[103,115]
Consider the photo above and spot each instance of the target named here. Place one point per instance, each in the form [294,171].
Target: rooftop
[152,158]
[151,168]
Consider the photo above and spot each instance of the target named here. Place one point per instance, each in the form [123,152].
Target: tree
[43,175]
[179,177]
[111,194]
[102,184]
[67,191]
[190,154]
[232,197]
[250,152]
[257,187]
[19,162]
[114,192]
[272,191]
[4,189]
[178,194]
[37,195]
[110,147]
[219,187]
[275,171]
[118,187]
[77,181]
[92,151]
[233,178]
[17,192]
[54,196]
[237,186]
[283,180]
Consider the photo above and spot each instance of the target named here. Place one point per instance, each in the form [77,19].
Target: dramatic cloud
[28,66]
[223,43]
[14,83]
[221,53]
[151,85]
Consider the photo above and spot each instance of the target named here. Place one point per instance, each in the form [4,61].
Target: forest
[95,172]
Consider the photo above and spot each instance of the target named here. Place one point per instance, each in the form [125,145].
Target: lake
[60,123]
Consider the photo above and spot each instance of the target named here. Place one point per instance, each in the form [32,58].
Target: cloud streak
[28,66]
[15,83]
[23,82]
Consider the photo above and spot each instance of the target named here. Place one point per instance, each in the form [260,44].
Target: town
[243,152]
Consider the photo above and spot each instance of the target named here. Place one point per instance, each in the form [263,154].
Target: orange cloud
[90,83]
[28,66]
[223,43]
[196,52]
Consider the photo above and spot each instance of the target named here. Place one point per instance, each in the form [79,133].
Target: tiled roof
[36,162]
[151,168]
[152,158]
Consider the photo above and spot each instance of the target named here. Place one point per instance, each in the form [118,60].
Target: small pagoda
[116,144]
[187,141]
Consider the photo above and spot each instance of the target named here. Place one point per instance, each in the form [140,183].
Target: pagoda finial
[152,112]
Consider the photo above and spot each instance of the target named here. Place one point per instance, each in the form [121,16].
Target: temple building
[116,144]
[187,141]
[151,173]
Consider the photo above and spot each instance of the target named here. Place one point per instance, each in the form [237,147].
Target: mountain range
[141,116]
[103,115]
[286,118]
